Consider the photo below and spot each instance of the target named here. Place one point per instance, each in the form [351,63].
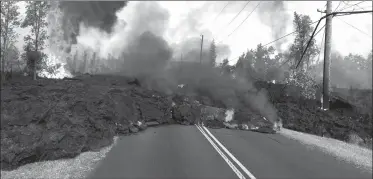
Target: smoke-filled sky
[146,34]
[180,20]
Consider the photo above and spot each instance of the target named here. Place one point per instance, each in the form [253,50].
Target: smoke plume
[134,45]
[274,15]
[100,14]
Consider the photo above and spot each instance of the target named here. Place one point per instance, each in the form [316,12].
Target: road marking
[235,170]
[248,173]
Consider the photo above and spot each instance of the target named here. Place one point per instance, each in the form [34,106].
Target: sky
[193,18]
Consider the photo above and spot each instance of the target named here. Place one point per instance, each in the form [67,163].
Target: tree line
[35,41]
[262,63]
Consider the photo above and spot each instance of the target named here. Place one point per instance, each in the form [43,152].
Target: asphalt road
[190,152]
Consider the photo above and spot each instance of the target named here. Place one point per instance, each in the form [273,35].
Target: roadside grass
[360,156]
[356,140]
[75,168]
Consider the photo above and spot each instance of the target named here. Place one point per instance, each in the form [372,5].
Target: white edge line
[230,155]
[235,170]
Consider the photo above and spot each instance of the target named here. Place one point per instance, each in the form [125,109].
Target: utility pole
[200,55]
[327,55]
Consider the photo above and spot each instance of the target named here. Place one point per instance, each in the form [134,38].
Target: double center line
[215,143]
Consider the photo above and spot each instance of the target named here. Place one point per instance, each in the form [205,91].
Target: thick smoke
[274,15]
[192,28]
[136,47]
[100,14]
[344,73]
[135,20]
[147,55]
[189,50]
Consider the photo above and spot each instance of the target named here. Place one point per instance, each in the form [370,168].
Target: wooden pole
[327,55]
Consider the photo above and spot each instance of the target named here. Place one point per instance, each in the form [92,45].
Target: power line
[221,11]
[242,21]
[322,42]
[339,13]
[355,27]
[360,7]
[303,46]
[312,36]
[349,13]
[318,21]
[330,14]
[282,37]
[235,16]
[323,36]
[245,19]
[340,2]
[363,8]
[352,5]
[309,42]
[345,4]
[286,35]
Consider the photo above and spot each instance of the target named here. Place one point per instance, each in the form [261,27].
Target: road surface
[191,152]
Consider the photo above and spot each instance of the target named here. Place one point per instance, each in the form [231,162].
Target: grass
[361,157]
[76,168]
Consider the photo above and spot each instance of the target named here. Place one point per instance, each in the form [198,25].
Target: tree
[12,56]
[36,13]
[360,63]
[212,54]
[346,71]
[245,65]
[274,70]
[354,70]
[260,64]
[226,68]
[9,21]
[299,78]
[303,30]
[263,60]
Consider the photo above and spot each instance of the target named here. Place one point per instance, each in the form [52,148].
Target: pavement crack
[276,140]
